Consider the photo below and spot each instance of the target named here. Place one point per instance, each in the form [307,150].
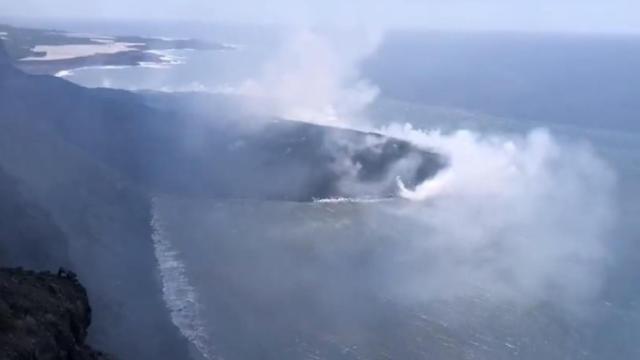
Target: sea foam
[180,297]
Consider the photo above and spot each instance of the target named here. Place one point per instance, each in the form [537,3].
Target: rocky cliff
[44,316]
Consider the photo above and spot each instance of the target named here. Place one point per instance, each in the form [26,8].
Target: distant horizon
[541,16]
[58,24]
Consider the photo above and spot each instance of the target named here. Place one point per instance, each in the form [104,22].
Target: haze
[616,16]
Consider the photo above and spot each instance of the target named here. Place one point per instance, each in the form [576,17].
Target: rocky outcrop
[44,316]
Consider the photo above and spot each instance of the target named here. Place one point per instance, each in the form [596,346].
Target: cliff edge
[44,316]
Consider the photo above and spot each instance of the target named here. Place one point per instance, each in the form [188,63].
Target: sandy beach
[64,52]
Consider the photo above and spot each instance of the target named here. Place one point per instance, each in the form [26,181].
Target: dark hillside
[28,235]
[103,217]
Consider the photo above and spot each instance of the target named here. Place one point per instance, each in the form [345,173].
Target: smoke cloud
[314,78]
[517,217]
[522,218]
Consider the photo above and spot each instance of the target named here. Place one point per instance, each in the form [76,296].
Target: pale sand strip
[63,52]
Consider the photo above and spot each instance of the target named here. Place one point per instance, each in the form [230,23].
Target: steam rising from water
[520,217]
[523,217]
[511,219]
[315,78]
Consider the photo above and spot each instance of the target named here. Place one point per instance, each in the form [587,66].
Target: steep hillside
[28,235]
[104,219]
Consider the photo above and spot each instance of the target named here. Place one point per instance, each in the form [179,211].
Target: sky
[617,16]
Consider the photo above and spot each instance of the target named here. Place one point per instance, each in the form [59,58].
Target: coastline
[37,51]
[118,59]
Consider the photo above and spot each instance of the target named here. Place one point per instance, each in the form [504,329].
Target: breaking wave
[180,297]
[64,73]
[342,200]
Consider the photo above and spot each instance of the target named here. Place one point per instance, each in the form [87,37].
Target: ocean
[526,249]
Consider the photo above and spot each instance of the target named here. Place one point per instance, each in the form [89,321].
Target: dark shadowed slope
[28,235]
[104,219]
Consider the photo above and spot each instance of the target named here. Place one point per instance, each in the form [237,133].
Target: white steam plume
[522,218]
[314,78]
[516,217]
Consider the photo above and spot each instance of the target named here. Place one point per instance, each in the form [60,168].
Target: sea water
[324,279]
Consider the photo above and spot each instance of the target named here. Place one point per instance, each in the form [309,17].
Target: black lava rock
[44,316]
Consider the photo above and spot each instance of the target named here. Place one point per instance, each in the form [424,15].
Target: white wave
[71,72]
[154,65]
[167,57]
[64,73]
[180,297]
[342,200]
[111,67]
[168,38]
[68,73]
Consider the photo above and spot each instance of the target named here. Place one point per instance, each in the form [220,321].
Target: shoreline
[157,59]
[130,58]
[53,52]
